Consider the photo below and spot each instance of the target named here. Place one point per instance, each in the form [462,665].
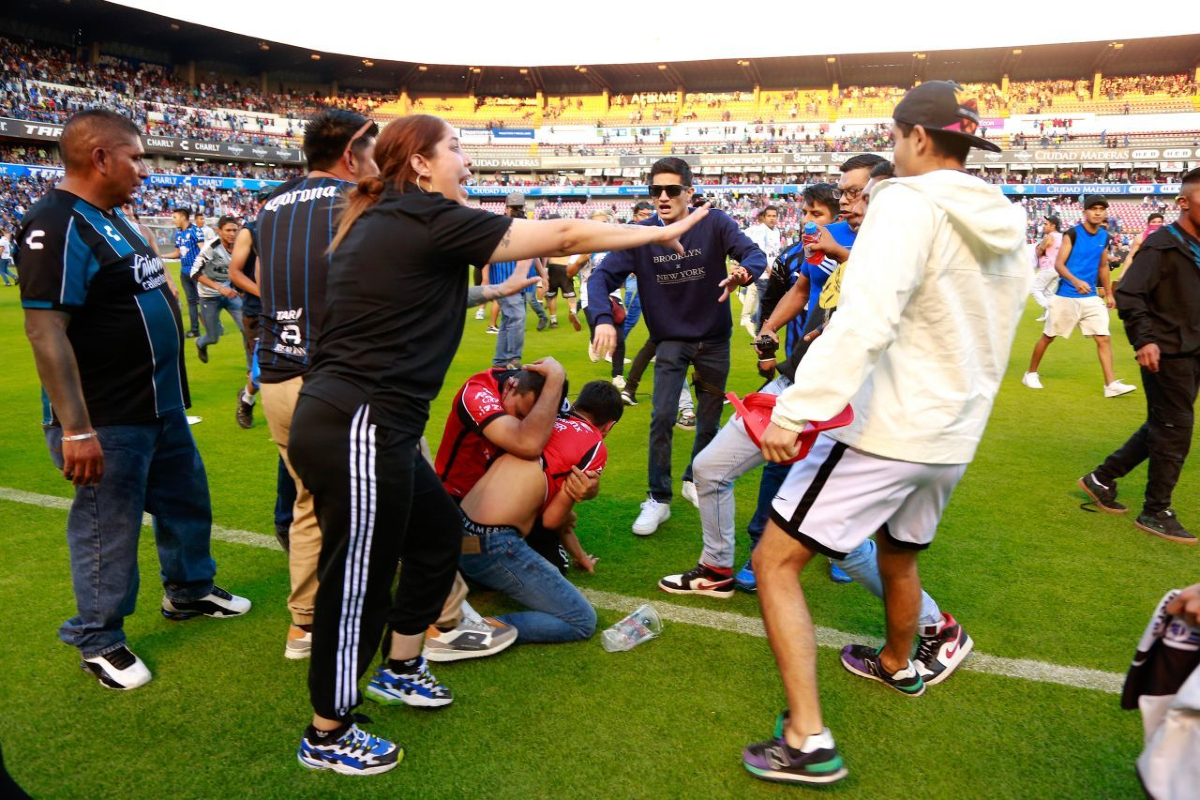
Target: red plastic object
[755,410]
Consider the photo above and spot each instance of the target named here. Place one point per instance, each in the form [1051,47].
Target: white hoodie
[928,309]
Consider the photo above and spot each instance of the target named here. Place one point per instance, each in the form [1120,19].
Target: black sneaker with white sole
[1103,495]
[217,603]
[700,579]
[118,669]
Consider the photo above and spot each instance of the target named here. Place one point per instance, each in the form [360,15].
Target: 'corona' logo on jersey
[301,196]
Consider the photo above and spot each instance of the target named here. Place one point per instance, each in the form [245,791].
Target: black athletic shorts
[559,281]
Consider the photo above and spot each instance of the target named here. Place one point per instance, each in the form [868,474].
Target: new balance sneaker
[686,421]
[217,603]
[1032,380]
[745,579]
[701,579]
[471,639]
[837,574]
[864,661]
[355,752]
[299,643]
[629,398]
[1166,525]
[816,761]
[619,382]
[689,493]
[1103,495]
[652,515]
[245,410]
[419,689]
[118,669]
[940,654]
[202,352]
[574,318]
[1118,388]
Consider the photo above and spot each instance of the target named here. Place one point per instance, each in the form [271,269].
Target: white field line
[1024,669]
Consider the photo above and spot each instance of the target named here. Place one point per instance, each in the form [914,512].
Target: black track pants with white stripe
[377,501]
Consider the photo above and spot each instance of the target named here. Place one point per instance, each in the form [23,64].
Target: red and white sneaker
[699,580]
[939,655]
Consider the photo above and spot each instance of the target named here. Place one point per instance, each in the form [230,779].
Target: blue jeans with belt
[559,613]
[153,468]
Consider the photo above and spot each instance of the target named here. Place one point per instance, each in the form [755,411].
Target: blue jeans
[507,564]
[4,273]
[510,342]
[153,468]
[532,298]
[633,304]
[210,312]
[710,360]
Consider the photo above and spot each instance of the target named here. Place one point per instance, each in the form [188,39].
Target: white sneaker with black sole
[652,515]
[218,603]
[118,669]
[471,639]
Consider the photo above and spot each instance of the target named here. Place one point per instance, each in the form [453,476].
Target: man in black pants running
[1159,300]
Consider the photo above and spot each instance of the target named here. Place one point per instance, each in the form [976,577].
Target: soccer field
[1054,597]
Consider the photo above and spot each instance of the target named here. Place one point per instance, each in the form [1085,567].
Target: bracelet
[80,437]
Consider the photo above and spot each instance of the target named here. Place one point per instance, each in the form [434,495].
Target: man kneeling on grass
[514,494]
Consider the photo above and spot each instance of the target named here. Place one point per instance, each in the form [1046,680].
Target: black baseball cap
[1090,200]
[1054,218]
[943,106]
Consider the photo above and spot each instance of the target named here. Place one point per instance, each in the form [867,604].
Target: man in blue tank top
[1082,265]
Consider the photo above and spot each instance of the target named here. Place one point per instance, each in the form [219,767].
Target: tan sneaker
[299,643]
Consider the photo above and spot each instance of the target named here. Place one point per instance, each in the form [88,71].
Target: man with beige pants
[292,240]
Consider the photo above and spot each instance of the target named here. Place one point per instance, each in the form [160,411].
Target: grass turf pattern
[1026,571]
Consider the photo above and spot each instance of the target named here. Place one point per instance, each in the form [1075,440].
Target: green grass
[1029,573]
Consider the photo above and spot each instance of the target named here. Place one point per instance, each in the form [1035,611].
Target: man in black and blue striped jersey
[107,338]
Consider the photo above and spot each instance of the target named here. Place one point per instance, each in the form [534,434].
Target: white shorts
[834,499]
[1089,314]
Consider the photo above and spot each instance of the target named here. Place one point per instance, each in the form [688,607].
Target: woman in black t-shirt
[396,291]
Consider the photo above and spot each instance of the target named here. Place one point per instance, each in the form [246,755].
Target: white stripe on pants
[358,558]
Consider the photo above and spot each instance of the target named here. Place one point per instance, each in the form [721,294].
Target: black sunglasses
[673,190]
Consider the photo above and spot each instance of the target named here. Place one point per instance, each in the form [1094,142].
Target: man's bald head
[87,130]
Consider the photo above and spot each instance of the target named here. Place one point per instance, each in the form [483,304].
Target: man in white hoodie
[918,348]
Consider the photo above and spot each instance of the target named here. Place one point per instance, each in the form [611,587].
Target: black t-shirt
[125,327]
[251,304]
[397,289]
[293,234]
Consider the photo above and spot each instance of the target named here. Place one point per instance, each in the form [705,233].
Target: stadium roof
[538,33]
[170,39]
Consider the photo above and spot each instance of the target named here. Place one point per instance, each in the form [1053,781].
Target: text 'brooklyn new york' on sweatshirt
[679,293]
[925,322]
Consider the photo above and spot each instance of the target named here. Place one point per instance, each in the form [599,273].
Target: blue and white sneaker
[838,575]
[355,752]
[745,579]
[419,689]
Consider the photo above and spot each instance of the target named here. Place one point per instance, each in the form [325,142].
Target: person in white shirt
[769,239]
[6,259]
[918,347]
[205,228]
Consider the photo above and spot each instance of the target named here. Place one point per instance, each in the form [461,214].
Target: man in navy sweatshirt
[683,301]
